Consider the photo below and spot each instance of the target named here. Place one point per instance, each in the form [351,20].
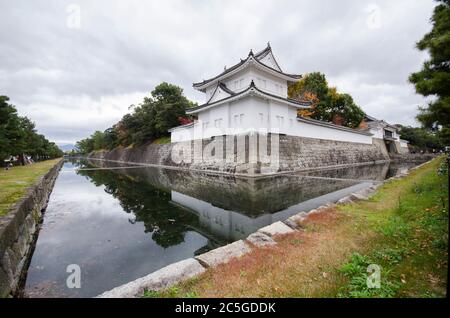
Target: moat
[122,222]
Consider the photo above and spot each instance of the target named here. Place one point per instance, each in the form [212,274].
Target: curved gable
[269,60]
[220,92]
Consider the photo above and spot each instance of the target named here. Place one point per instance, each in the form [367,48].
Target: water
[119,223]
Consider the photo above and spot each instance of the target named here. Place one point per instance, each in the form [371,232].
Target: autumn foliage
[327,104]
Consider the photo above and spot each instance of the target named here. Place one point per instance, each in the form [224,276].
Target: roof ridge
[263,51]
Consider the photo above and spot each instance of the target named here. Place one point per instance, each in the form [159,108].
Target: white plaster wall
[182,134]
[282,118]
[270,83]
[313,131]
[252,109]
[245,114]
[241,81]
[377,132]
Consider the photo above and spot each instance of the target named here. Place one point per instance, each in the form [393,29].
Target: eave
[251,90]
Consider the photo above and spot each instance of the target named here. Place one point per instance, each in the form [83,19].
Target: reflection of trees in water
[150,205]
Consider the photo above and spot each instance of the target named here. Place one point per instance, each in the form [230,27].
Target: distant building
[387,132]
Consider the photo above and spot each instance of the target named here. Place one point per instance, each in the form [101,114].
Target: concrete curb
[162,278]
[223,254]
[277,228]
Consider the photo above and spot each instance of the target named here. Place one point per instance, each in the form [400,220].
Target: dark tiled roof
[256,57]
[370,118]
[222,86]
[226,89]
[331,125]
[252,86]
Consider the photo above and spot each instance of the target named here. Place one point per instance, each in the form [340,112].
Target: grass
[162,140]
[15,182]
[402,230]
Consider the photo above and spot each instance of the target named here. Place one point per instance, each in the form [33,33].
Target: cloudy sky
[76,66]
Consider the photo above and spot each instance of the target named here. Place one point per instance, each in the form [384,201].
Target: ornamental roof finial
[268,44]
[250,53]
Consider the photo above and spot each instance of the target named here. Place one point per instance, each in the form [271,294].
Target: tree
[314,83]
[164,109]
[111,139]
[434,78]
[420,138]
[85,146]
[339,109]
[9,128]
[18,136]
[98,140]
[326,103]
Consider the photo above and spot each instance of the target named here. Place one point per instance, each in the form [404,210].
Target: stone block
[366,193]
[163,278]
[260,239]
[357,196]
[277,228]
[295,220]
[345,200]
[223,254]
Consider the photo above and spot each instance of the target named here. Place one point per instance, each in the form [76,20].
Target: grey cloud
[74,81]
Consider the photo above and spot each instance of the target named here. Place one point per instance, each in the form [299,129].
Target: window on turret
[218,123]
[280,120]
[262,83]
[278,88]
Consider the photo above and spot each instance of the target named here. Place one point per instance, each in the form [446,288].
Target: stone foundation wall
[295,153]
[147,154]
[413,157]
[298,153]
[17,232]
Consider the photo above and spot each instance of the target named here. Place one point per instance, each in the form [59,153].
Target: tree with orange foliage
[327,103]
[308,97]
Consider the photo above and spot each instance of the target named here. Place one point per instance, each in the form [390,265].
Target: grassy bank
[15,182]
[402,229]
